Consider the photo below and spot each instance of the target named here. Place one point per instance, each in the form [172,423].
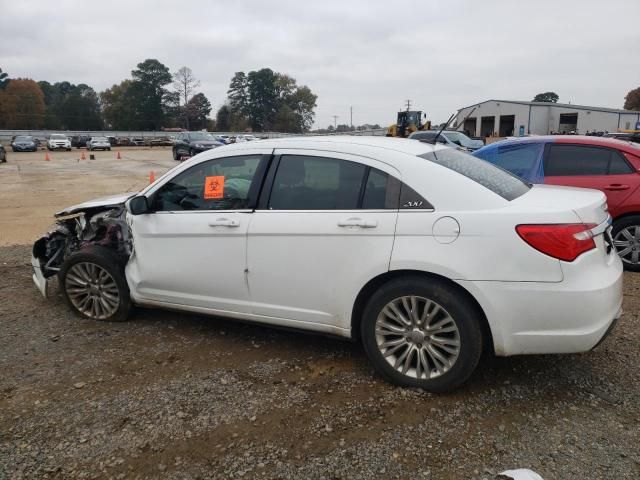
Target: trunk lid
[589,205]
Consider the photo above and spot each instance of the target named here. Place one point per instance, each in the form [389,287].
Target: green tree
[262,98]
[223,119]
[149,94]
[238,94]
[551,97]
[632,100]
[118,110]
[197,110]
[80,109]
[4,79]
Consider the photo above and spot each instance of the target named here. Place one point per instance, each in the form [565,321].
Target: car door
[324,226]
[191,250]
[591,166]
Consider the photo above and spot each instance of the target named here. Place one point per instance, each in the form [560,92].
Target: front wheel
[175,154]
[626,239]
[192,152]
[422,333]
[94,285]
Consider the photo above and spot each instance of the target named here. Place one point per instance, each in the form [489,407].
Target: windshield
[459,138]
[201,136]
[499,181]
[24,138]
[100,139]
[58,136]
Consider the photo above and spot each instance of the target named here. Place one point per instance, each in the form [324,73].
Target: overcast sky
[372,55]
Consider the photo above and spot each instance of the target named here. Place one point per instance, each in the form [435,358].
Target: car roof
[348,142]
[616,143]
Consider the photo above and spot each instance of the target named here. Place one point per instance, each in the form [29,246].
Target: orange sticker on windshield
[214,187]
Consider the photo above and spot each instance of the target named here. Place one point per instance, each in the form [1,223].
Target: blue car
[521,156]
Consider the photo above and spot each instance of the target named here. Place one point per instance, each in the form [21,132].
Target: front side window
[499,181]
[220,184]
[316,183]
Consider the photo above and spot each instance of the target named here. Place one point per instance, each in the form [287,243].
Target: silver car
[99,143]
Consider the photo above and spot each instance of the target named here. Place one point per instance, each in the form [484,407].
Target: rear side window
[499,181]
[316,183]
[582,160]
[521,159]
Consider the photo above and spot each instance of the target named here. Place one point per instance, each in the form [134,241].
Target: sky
[370,55]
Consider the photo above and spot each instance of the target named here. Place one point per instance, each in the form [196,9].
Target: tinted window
[521,159]
[316,183]
[495,179]
[577,160]
[381,191]
[221,184]
[618,165]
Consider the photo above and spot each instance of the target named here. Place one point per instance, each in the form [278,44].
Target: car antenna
[435,139]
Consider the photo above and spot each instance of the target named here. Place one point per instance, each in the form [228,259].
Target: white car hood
[111,201]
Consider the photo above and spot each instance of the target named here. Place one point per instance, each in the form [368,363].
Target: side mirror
[138,205]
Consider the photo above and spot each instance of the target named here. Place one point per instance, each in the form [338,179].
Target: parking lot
[172,395]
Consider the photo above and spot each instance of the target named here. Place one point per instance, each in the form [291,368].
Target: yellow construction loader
[409,121]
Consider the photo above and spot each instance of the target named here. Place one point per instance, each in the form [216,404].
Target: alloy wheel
[627,243]
[92,290]
[417,337]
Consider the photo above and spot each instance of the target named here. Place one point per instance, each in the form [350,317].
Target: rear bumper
[571,316]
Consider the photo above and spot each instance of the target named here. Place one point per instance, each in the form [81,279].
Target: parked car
[628,137]
[3,154]
[450,138]
[137,141]
[24,143]
[192,143]
[58,141]
[98,143]
[425,254]
[579,161]
[112,141]
[79,141]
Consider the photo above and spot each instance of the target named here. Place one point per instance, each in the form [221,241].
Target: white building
[506,117]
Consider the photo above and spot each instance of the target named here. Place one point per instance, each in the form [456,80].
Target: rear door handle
[358,222]
[224,222]
[617,186]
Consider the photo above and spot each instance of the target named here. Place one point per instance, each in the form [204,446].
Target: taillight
[564,241]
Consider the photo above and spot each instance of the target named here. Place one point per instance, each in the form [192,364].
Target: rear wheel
[422,333]
[626,239]
[94,285]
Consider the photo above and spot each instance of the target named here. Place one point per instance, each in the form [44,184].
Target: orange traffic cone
[118,157]
[46,156]
[82,157]
[152,177]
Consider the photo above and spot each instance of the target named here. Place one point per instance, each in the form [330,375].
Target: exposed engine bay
[75,230]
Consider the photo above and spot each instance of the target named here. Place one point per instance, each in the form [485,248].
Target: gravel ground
[171,395]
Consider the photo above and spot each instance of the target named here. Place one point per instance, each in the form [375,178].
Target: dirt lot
[32,189]
[171,395]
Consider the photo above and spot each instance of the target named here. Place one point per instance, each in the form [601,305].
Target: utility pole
[408,105]
[335,121]
[351,113]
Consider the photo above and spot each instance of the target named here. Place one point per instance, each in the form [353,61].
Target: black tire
[627,223]
[68,149]
[108,261]
[460,309]
[175,154]
[192,152]
[109,149]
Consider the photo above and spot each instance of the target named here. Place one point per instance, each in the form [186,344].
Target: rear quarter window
[499,181]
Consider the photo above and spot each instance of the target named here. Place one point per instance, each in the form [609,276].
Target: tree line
[155,99]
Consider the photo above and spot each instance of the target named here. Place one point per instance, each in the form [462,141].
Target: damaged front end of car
[76,229]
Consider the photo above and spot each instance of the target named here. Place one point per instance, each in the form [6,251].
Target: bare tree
[185,84]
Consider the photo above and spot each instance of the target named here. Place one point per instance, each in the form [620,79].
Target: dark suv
[188,144]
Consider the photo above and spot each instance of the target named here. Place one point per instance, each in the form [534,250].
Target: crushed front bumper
[38,278]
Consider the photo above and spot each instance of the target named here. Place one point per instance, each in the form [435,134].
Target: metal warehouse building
[505,118]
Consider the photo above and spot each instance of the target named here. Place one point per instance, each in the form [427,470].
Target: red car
[610,165]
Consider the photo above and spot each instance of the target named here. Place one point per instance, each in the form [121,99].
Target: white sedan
[426,255]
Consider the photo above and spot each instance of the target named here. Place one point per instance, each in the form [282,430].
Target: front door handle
[358,222]
[224,222]
[617,186]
